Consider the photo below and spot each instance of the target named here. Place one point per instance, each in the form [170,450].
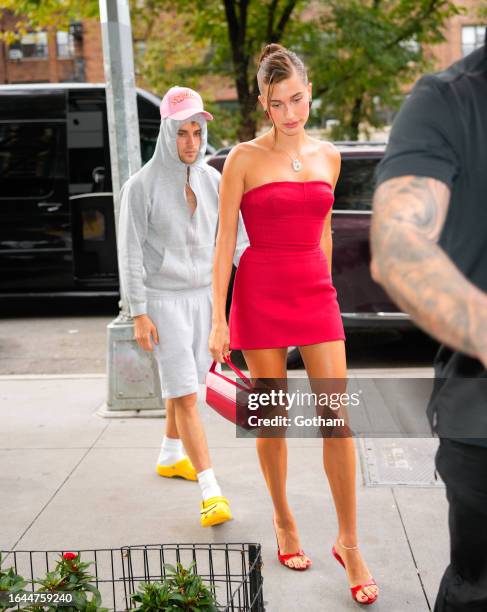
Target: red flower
[69,556]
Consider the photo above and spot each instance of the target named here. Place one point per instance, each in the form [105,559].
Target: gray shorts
[183,322]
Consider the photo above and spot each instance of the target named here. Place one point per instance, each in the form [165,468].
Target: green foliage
[237,31]
[10,581]
[224,129]
[70,576]
[362,54]
[482,12]
[42,14]
[182,589]
[152,597]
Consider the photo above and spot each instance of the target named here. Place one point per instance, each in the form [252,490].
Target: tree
[237,31]
[232,32]
[363,53]
[167,53]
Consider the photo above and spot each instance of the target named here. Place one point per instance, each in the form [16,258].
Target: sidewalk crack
[410,549]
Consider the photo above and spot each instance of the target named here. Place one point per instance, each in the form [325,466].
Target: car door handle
[51,206]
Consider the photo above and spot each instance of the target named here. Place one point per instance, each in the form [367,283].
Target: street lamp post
[133,381]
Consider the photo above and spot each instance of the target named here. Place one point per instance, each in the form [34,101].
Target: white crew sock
[171,451]
[208,483]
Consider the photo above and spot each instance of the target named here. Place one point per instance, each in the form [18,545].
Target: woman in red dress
[283,295]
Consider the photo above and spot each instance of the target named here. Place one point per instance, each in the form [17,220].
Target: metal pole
[133,381]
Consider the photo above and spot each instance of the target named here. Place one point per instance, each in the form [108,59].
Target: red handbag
[227,396]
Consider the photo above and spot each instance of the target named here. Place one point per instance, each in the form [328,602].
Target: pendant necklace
[296,164]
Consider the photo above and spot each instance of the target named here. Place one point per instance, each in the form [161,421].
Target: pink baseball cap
[181,103]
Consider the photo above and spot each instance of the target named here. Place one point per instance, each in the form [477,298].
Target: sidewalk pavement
[70,479]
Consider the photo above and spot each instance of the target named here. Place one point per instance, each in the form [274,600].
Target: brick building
[53,56]
[463,34]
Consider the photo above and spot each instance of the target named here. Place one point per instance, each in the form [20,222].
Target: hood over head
[166,151]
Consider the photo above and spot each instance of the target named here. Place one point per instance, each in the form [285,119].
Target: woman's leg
[272,452]
[327,360]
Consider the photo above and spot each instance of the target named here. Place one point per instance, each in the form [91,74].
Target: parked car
[210,151]
[57,231]
[223,151]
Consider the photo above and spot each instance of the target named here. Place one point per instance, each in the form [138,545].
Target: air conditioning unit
[76,30]
[15,54]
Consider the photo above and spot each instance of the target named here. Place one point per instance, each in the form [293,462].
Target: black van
[57,231]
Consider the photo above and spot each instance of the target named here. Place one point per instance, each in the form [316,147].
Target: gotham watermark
[362,407]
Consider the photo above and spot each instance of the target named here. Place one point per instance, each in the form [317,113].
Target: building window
[32,45]
[472,38]
[65,45]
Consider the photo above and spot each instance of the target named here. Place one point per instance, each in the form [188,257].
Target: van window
[147,110]
[88,148]
[32,156]
[355,187]
[32,105]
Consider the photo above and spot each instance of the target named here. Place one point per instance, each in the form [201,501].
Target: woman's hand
[219,342]
[144,331]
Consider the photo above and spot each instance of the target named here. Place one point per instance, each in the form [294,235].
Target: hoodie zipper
[191,230]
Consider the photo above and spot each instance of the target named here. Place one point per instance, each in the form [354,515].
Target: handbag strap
[234,368]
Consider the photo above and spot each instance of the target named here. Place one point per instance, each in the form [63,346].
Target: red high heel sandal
[285,557]
[359,587]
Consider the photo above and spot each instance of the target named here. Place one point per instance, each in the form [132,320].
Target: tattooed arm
[409,213]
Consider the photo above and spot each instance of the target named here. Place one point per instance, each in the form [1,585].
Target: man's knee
[186,402]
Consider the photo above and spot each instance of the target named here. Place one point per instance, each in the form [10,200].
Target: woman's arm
[231,191]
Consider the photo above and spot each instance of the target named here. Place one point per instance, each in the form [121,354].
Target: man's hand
[144,330]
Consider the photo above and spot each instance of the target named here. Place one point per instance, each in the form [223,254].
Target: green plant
[182,589]
[153,596]
[10,581]
[70,576]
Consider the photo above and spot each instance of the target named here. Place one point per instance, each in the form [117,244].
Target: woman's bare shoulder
[325,147]
[245,153]
[330,149]
[257,145]
[331,158]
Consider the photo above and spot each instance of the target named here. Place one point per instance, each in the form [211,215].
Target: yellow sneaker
[214,511]
[182,468]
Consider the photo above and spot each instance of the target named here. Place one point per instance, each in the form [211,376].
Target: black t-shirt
[441,132]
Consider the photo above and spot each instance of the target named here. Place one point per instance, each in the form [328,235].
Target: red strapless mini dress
[283,294]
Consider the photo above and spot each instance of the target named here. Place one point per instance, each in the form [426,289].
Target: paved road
[70,338]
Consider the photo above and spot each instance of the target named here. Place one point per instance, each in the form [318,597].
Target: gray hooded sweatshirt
[163,247]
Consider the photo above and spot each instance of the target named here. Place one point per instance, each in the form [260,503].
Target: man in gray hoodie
[168,224]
